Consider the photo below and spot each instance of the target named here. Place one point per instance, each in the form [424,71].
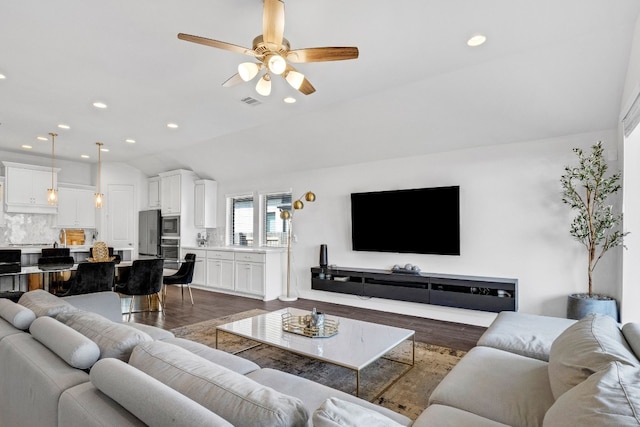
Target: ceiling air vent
[251,101]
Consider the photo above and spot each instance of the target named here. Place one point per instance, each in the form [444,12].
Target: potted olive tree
[586,190]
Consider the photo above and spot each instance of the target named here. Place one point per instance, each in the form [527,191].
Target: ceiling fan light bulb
[263,87]
[295,79]
[248,70]
[277,64]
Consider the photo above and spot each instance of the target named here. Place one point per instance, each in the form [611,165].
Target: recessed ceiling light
[84,156]
[130,141]
[476,40]
[26,147]
[104,149]
[99,104]
[172,125]
[42,138]
[63,126]
[2,77]
[289,100]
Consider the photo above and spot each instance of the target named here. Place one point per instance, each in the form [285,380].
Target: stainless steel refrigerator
[149,232]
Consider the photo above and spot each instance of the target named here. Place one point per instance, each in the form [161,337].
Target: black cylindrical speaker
[324,259]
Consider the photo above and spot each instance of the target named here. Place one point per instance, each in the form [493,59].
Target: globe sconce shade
[285,215]
[310,196]
[298,204]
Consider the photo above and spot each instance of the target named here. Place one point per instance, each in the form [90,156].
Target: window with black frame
[242,220]
[275,228]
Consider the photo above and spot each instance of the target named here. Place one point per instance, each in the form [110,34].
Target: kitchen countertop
[259,249]
[72,248]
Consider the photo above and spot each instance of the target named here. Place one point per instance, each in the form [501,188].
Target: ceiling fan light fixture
[264,85]
[295,79]
[276,64]
[248,70]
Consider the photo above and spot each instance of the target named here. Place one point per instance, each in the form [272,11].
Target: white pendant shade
[295,79]
[264,85]
[277,64]
[248,70]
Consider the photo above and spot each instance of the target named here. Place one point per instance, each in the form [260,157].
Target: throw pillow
[588,346]
[631,332]
[19,316]
[114,339]
[607,398]
[71,346]
[42,303]
[340,413]
[234,397]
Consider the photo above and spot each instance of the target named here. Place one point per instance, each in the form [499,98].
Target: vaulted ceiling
[548,68]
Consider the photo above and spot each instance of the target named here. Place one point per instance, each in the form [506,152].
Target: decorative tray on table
[303,325]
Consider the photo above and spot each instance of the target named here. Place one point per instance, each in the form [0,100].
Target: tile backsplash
[28,229]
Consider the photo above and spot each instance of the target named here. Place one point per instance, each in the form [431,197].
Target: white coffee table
[356,345]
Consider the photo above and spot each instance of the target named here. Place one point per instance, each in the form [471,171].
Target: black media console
[471,292]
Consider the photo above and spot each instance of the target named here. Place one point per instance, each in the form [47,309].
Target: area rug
[384,382]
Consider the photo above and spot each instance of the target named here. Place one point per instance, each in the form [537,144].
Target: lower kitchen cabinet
[253,273]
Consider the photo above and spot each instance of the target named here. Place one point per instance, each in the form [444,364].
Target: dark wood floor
[211,305]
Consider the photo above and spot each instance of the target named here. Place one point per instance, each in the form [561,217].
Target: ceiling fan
[274,53]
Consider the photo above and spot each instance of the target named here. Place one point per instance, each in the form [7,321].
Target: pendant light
[99,197]
[52,193]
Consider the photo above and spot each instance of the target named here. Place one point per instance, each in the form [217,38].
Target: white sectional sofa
[72,362]
[530,370]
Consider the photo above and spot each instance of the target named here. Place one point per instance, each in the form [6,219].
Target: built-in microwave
[170,226]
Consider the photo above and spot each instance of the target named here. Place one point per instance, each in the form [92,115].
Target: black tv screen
[419,221]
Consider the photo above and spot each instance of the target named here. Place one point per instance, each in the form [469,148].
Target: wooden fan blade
[320,54]
[215,43]
[306,87]
[273,23]
[233,80]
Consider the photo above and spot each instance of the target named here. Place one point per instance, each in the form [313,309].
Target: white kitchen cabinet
[205,201]
[26,188]
[220,270]
[76,208]
[200,268]
[2,222]
[170,189]
[154,192]
[249,273]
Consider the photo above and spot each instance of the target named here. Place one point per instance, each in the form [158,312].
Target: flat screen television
[419,221]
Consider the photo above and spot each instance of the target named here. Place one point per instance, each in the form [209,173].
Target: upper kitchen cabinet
[205,194]
[76,207]
[171,193]
[154,192]
[2,223]
[26,188]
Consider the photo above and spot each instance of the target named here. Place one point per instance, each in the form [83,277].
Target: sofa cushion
[73,347]
[154,403]
[157,334]
[610,397]
[42,303]
[114,339]
[219,357]
[339,413]
[586,347]
[234,397]
[447,416]
[16,314]
[495,384]
[631,332]
[530,335]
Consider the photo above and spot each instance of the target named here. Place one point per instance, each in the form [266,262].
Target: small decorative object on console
[408,268]
[314,325]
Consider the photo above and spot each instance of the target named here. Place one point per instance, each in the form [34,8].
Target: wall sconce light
[99,197]
[52,193]
[287,215]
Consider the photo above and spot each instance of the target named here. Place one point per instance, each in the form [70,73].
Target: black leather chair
[184,276]
[90,277]
[54,252]
[144,278]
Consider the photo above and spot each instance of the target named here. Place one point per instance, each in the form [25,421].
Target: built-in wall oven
[170,251]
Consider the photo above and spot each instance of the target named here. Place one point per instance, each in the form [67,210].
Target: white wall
[513,223]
